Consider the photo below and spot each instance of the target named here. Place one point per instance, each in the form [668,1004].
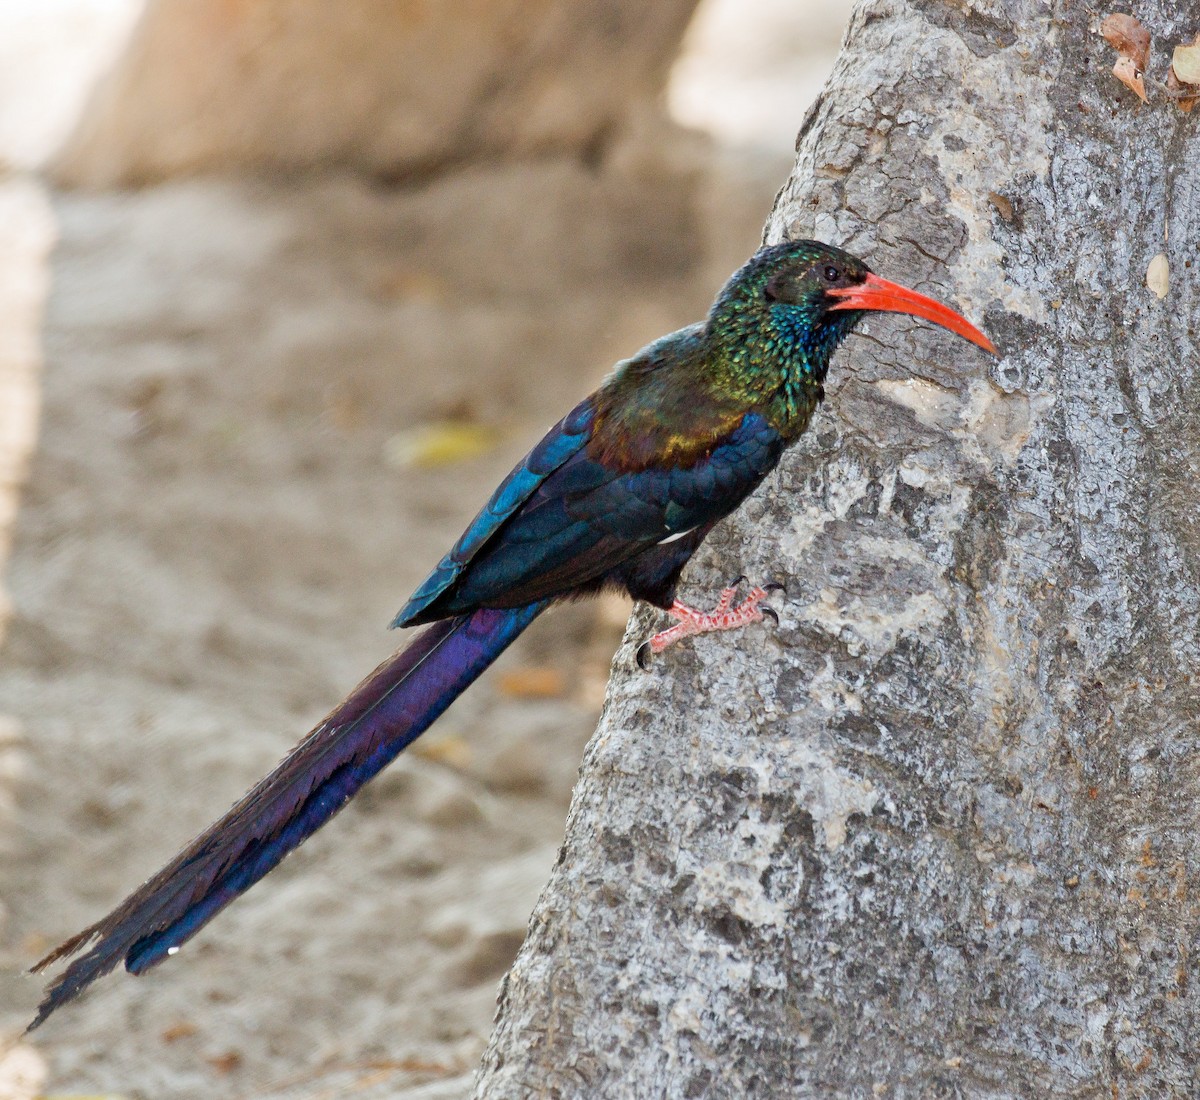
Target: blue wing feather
[564,440]
[584,519]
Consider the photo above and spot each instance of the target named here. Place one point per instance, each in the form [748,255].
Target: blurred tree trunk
[938,833]
[394,88]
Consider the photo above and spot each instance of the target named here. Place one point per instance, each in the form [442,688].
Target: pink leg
[722,617]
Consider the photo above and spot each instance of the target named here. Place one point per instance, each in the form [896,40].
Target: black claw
[736,581]
[643,656]
[768,610]
[775,586]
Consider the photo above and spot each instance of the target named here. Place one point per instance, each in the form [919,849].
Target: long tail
[389,710]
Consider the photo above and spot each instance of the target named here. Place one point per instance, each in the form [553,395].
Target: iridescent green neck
[774,357]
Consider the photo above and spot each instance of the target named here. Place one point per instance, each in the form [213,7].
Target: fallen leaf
[184,1029]
[1177,84]
[1179,90]
[412,1065]
[1128,37]
[450,750]
[1132,41]
[540,682]
[1158,275]
[1185,63]
[381,1071]
[226,1062]
[1127,72]
[439,444]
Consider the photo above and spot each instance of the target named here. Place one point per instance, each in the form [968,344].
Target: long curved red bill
[879,294]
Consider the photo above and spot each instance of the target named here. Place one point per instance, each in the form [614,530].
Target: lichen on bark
[936,834]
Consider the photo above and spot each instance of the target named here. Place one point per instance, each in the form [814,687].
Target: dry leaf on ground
[439,444]
[451,750]
[533,682]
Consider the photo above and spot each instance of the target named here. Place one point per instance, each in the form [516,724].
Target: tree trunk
[396,88]
[935,835]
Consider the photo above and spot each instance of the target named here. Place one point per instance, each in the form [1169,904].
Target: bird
[618,494]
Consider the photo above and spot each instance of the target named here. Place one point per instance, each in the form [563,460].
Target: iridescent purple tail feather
[389,710]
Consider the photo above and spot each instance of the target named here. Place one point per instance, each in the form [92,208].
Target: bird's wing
[586,517]
[559,444]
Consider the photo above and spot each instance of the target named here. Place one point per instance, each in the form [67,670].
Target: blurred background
[285,288]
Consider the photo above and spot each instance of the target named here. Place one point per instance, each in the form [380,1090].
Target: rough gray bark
[937,834]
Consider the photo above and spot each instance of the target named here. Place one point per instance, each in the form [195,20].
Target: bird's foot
[725,616]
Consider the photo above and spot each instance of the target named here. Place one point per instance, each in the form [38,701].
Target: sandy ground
[217,526]
[234,488]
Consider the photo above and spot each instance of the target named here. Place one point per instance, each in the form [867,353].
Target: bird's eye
[832,274]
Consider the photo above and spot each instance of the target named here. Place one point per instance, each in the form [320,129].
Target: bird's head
[811,295]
